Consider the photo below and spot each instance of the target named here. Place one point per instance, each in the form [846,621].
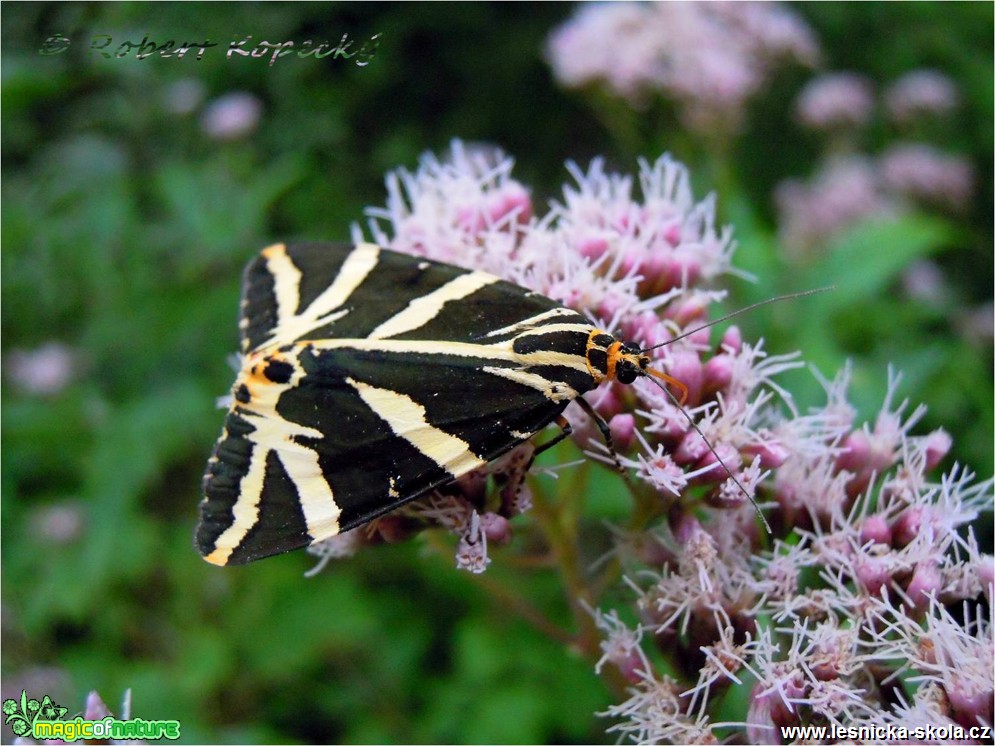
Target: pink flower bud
[685,528]
[672,233]
[926,581]
[971,706]
[686,367]
[496,528]
[730,457]
[792,687]
[908,525]
[609,402]
[718,373]
[512,198]
[760,726]
[654,331]
[856,451]
[690,449]
[623,430]
[875,529]
[687,311]
[701,337]
[732,340]
[770,450]
[95,709]
[584,429]
[937,445]
[871,572]
[646,328]
[592,248]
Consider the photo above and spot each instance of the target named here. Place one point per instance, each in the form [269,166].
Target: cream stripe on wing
[321,512]
[286,281]
[245,511]
[425,308]
[553,390]
[555,329]
[532,321]
[406,418]
[301,464]
[322,310]
[500,352]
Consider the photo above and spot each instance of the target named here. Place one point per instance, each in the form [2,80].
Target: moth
[370,378]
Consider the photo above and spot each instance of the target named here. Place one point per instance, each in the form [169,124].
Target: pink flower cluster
[919,94]
[835,101]
[924,174]
[849,187]
[869,550]
[840,100]
[843,191]
[862,584]
[709,57]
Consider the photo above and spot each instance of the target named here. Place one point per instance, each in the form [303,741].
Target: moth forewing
[369,379]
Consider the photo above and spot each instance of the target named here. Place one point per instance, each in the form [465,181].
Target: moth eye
[242,394]
[626,372]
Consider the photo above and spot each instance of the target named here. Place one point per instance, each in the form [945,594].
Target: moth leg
[566,430]
[516,476]
[606,432]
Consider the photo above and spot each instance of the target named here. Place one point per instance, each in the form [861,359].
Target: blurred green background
[125,225]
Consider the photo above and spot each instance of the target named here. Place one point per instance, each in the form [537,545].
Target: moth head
[630,363]
[611,359]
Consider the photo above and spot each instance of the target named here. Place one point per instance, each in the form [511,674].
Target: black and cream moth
[371,377]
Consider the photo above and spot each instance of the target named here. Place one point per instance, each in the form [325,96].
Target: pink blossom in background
[842,192]
[45,370]
[709,57]
[60,523]
[924,174]
[920,93]
[923,280]
[977,324]
[231,116]
[835,101]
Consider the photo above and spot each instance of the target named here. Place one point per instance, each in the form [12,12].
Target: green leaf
[864,259]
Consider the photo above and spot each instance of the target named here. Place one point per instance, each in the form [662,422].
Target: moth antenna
[710,447]
[750,307]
